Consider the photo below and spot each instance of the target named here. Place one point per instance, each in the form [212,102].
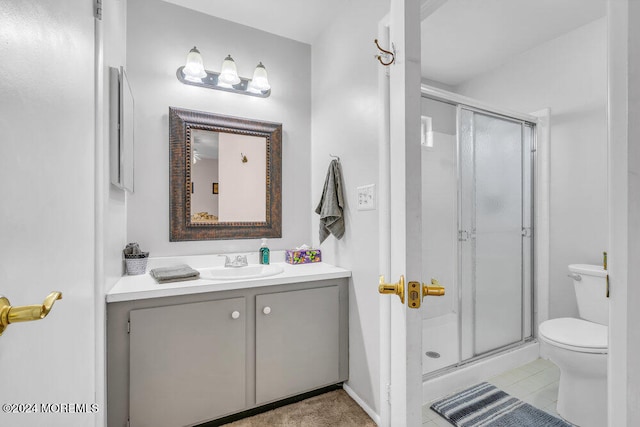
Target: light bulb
[260,81]
[229,73]
[194,68]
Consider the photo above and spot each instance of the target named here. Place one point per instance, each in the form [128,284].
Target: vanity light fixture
[196,156]
[193,73]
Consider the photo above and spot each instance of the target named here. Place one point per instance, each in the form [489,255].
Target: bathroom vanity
[186,353]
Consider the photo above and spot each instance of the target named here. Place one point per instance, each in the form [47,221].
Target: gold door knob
[417,291]
[433,290]
[392,288]
[25,313]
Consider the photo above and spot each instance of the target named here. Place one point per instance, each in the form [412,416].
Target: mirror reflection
[228,177]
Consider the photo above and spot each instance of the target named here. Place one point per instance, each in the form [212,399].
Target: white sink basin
[235,273]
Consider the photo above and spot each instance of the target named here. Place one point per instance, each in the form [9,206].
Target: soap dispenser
[264,252]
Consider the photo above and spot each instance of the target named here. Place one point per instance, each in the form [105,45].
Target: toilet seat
[575,335]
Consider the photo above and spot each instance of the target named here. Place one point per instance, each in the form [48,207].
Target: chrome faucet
[238,261]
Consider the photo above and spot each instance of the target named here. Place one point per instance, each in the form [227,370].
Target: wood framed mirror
[225,177]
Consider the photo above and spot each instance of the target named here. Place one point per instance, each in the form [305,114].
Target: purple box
[303,256]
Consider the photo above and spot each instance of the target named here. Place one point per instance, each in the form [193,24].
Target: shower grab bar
[575,276]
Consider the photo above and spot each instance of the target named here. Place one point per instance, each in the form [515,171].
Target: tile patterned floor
[535,383]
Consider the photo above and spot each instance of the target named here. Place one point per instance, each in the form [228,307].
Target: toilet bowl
[579,348]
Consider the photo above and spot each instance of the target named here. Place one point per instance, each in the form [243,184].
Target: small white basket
[136,266]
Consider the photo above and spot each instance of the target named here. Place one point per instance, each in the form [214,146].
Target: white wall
[345,112]
[242,184]
[569,75]
[113,207]
[47,210]
[110,201]
[159,36]
[633,233]
[203,175]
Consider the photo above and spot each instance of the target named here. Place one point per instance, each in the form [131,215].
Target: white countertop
[143,286]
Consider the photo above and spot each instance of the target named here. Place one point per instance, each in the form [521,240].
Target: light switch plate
[366,197]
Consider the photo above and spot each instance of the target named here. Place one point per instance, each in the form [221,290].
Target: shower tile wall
[440,334]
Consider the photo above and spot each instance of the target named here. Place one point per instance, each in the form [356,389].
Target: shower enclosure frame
[539,222]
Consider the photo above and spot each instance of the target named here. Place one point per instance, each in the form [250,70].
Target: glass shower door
[494,230]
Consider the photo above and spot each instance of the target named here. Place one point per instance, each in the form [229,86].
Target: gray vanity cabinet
[187,359]
[297,342]
[187,362]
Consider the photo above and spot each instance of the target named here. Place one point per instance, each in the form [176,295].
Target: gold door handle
[25,313]
[417,291]
[392,288]
[434,290]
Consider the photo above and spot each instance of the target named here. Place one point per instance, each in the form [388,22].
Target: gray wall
[159,36]
[346,114]
[569,75]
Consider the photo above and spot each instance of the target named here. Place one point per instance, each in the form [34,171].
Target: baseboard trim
[374,416]
[269,406]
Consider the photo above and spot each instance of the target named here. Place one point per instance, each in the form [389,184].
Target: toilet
[579,347]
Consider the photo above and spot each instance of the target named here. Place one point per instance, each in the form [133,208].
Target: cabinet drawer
[297,342]
[187,362]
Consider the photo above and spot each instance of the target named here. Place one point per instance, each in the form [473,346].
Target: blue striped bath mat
[484,405]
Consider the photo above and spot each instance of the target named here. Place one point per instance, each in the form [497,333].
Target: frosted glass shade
[229,73]
[194,68]
[260,81]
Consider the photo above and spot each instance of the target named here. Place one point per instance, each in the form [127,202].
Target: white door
[47,367]
[401,362]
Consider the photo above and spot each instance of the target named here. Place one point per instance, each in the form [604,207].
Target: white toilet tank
[590,284]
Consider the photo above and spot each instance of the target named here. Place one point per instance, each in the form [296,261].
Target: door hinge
[389,393]
[128,326]
[97,9]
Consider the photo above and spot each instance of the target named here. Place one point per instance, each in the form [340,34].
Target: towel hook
[335,157]
[386,54]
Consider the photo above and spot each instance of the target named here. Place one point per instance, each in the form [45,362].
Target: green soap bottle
[264,252]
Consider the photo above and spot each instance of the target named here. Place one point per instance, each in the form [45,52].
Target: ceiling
[206,143]
[464,38]
[460,38]
[294,19]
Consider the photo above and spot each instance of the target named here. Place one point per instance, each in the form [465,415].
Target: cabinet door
[297,342]
[187,363]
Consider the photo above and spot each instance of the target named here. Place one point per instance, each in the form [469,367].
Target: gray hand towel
[177,273]
[331,204]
